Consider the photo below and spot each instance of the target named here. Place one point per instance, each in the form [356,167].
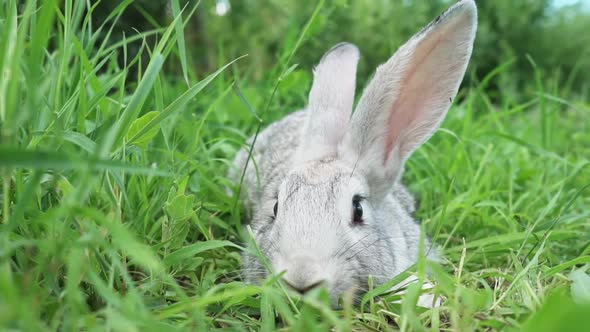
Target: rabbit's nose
[303,274]
[303,288]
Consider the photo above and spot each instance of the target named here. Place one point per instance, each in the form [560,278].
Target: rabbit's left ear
[409,96]
[330,102]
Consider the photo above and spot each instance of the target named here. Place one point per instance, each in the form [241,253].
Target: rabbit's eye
[275,209]
[357,210]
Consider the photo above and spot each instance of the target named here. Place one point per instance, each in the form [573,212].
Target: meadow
[114,148]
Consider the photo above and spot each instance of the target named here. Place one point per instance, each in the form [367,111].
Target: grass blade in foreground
[179,103]
[45,160]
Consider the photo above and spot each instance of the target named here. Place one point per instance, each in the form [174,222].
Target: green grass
[114,215]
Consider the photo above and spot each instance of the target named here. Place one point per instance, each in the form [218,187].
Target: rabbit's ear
[409,95]
[330,102]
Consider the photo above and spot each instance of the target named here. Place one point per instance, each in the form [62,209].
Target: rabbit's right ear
[330,102]
[409,96]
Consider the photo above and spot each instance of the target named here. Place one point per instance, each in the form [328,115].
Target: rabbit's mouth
[346,290]
[340,293]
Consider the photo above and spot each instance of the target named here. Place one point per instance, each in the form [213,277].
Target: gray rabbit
[322,186]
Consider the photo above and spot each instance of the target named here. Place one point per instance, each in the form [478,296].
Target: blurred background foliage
[516,39]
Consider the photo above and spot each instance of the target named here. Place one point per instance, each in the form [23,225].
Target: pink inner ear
[427,87]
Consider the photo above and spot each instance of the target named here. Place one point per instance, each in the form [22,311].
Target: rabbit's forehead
[327,181]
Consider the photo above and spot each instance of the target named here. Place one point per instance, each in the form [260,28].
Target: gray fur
[313,162]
